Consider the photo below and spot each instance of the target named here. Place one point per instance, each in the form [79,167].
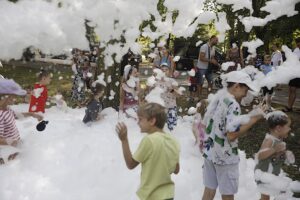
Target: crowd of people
[216,128]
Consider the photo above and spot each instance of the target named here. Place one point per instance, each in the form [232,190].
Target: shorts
[204,72]
[295,82]
[193,88]
[226,177]
[172,118]
[265,91]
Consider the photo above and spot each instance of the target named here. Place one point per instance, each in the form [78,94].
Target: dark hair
[97,88]
[213,36]
[277,120]
[277,45]
[42,74]
[153,110]
[234,41]
[297,40]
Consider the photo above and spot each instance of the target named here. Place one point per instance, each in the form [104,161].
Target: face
[46,80]
[8,99]
[214,41]
[267,61]
[241,91]
[134,72]
[144,124]
[284,130]
[165,70]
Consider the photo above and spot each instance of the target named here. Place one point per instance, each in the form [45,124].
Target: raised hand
[121,129]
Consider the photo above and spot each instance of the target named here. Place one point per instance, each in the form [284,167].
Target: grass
[26,77]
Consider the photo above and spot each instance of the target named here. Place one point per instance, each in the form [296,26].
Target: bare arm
[34,115]
[266,149]
[202,57]
[122,132]
[243,129]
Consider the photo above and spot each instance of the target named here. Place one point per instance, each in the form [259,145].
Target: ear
[152,121]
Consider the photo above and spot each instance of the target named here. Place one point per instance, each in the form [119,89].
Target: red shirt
[38,98]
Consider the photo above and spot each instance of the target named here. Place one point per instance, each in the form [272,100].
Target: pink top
[8,128]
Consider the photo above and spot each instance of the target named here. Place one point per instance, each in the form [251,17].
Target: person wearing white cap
[223,128]
[9,134]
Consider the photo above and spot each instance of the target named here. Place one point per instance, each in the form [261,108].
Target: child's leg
[264,197]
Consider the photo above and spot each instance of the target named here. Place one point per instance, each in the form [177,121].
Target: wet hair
[267,57]
[277,118]
[97,88]
[43,74]
[153,110]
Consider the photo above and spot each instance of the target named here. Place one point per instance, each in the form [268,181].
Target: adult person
[294,83]
[235,55]
[276,57]
[206,57]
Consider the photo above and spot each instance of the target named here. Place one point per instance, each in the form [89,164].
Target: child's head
[165,68]
[151,115]
[97,90]
[279,123]
[44,77]
[267,59]
[130,71]
[9,90]
[202,107]
[238,84]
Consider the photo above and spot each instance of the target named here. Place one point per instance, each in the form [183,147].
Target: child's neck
[275,134]
[154,129]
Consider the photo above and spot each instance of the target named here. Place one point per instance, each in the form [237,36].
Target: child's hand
[121,129]
[280,147]
[38,117]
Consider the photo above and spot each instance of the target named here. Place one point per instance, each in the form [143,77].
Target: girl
[272,153]
[9,134]
[129,89]
[94,107]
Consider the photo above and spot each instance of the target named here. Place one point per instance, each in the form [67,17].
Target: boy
[267,68]
[158,153]
[39,95]
[9,134]
[221,164]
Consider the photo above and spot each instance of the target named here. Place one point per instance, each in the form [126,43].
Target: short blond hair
[153,110]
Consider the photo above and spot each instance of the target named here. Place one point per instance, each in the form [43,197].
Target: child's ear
[152,121]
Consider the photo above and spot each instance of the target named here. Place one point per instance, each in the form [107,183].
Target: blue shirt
[266,68]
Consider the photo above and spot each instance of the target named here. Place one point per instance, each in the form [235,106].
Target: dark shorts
[193,88]
[295,82]
[265,91]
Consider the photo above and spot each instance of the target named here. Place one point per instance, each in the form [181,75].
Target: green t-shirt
[158,153]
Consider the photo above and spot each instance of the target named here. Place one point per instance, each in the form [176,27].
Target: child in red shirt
[39,94]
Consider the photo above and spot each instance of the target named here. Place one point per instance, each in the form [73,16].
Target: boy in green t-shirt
[158,153]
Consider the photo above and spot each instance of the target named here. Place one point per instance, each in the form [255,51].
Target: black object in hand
[42,125]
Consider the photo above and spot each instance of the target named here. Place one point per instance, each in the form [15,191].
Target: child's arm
[34,115]
[266,149]
[122,132]
[243,128]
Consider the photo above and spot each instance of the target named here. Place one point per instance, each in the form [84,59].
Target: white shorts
[224,176]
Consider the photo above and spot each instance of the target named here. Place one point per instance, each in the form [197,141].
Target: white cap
[9,86]
[241,77]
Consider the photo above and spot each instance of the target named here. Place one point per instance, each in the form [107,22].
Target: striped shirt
[8,128]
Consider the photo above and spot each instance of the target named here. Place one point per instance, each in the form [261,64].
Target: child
[198,126]
[94,107]
[170,87]
[158,153]
[221,163]
[272,153]
[193,84]
[129,89]
[9,134]
[39,95]
[266,68]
